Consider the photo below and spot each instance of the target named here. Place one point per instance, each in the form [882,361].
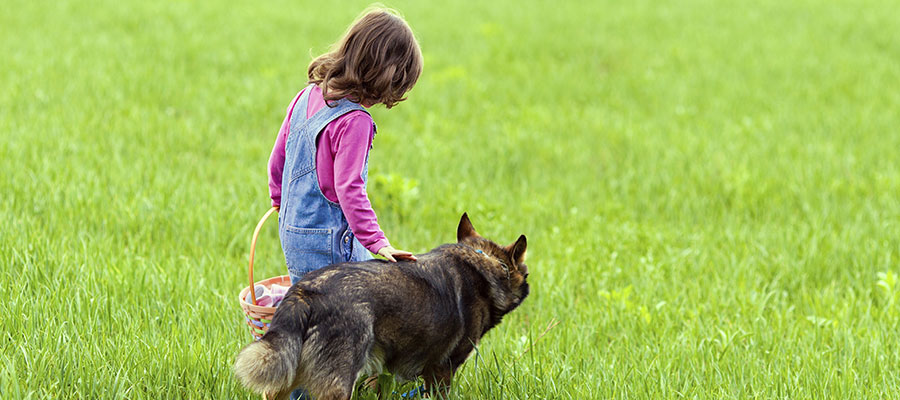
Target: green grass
[711,190]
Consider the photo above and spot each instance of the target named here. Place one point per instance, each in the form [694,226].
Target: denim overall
[314,232]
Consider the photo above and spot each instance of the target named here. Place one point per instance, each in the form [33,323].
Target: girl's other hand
[393,254]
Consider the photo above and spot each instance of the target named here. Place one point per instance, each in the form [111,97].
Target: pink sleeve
[276,159]
[351,149]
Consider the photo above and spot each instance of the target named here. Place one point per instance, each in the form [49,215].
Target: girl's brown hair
[377,61]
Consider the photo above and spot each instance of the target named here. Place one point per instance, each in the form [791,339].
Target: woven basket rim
[267,283]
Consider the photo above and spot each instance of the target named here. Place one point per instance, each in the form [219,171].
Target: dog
[414,319]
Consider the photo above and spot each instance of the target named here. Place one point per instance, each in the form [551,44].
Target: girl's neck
[364,104]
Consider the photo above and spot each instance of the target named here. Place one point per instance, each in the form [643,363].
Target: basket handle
[253,249]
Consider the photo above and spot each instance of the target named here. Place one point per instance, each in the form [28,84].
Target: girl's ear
[465,229]
[518,250]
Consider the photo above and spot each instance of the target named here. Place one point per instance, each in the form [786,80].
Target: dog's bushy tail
[270,364]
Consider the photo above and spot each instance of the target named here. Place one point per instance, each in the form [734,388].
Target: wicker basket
[258,318]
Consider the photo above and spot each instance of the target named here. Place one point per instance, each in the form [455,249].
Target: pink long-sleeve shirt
[341,152]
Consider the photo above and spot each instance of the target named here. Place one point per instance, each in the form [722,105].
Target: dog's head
[502,265]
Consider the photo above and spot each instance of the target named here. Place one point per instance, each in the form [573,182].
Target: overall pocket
[347,240]
[306,249]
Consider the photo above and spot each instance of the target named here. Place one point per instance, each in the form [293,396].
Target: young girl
[319,165]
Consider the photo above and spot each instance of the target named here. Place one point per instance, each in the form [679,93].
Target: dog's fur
[412,318]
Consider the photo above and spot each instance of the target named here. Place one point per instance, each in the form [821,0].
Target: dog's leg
[337,349]
[277,396]
[333,385]
[437,379]
[337,393]
[439,376]
[371,382]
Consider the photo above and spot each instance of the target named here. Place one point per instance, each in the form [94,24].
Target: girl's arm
[351,150]
[350,146]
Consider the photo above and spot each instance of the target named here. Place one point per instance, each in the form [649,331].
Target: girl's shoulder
[356,123]
[353,130]
[354,119]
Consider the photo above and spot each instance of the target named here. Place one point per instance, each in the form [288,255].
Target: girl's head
[377,61]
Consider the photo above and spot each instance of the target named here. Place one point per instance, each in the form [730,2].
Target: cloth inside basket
[268,296]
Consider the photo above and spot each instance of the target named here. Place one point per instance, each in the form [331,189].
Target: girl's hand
[393,254]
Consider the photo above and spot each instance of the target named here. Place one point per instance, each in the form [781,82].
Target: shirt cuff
[378,245]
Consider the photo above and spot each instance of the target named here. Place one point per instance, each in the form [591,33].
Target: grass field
[710,189]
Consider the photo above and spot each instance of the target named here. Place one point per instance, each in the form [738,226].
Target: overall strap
[298,116]
[323,116]
[327,114]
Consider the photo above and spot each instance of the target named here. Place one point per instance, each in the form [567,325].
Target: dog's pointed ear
[465,229]
[518,250]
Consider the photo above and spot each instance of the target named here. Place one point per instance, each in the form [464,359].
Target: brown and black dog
[412,318]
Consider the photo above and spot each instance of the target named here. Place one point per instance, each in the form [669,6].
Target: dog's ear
[518,251]
[465,229]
